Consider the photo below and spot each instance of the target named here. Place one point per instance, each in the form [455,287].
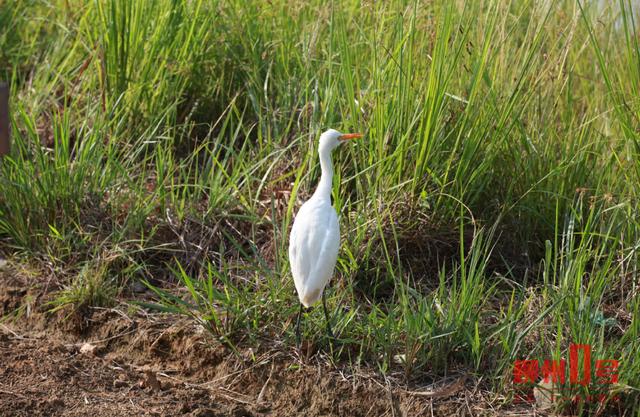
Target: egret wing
[313,250]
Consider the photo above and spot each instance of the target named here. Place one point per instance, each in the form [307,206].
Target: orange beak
[349,136]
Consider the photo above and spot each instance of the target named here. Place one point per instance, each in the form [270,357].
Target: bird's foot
[330,334]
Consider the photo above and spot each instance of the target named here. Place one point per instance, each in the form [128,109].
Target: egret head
[331,139]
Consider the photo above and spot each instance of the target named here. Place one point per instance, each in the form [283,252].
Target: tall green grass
[490,214]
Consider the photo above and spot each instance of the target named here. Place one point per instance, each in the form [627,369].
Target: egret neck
[323,192]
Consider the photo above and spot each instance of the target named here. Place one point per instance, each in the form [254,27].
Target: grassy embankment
[491,213]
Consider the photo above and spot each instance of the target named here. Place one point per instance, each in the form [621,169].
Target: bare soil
[125,362]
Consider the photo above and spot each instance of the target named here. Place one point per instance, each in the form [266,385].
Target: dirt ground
[125,362]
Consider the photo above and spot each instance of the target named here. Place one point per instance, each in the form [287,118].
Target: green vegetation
[490,214]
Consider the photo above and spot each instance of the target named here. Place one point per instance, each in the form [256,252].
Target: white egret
[315,235]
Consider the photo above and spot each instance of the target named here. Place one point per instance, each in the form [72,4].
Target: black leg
[298,339]
[326,316]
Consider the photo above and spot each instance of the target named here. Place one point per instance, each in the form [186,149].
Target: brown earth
[126,362]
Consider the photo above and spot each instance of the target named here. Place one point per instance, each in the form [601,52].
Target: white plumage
[313,249]
[315,236]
